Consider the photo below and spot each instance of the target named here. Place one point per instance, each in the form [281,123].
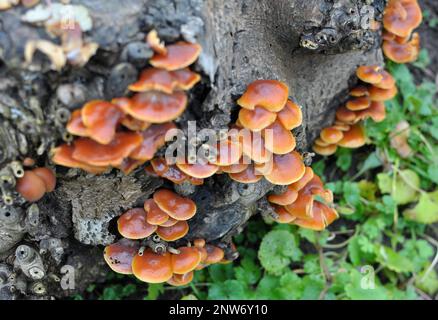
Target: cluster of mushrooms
[126,132]
[33,184]
[366,101]
[142,252]
[400,43]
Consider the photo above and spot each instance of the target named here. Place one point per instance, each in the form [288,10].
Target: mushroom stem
[141,250]
[173,250]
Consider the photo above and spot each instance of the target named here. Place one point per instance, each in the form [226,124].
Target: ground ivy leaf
[426,211]
[393,260]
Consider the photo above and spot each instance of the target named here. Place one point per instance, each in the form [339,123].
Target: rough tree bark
[314,46]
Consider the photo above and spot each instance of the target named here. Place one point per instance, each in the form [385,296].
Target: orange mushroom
[249,175]
[253,146]
[286,169]
[345,115]
[119,255]
[63,155]
[387,82]
[269,94]
[285,198]
[402,52]
[101,119]
[174,205]
[325,151]
[200,170]
[376,111]
[353,138]
[290,116]
[185,78]
[305,179]
[186,260]
[155,43]
[133,225]
[153,139]
[171,172]
[401,17]
[31,186]
[214,254]
[154,79]
[178,56]
[331,135]
[228,153]
[47,176]
[359,91]
[152,267]
[283,140]
[154,215]
[379,95]
[256,119]
[359,103]
[283,215]
[370,74]
[75,125]
[91,152]
[173,233]
[178,280]
[156,106]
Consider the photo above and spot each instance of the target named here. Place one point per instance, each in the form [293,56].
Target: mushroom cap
[154,138]
[331,135]
[321,143]
[269,94]
[290,116]
[170,222]
[174,205]
[155,43]
[173,233]
[198,170]
[305,179]
[345,115]
[322,216]
[369,74]
[387,82]
[359,103]
[156,106]
[228,152]
[63,156]
[325,151]
[154,79]
[127,120]
[235,168]
[285,198]
[31,186]
[178,280]
[249,175]
[302,207]
[353,138]
[342,126]
[119,255]
[253,146]
[379,95]
[187,260]
[154,215]
[101,119]
[214,254]
[199,243]
[401,17]
[185,78]
[75,125]
[402,52]
[47,176]
[256,119]
[283,215]
[286,169]
[278,139]
[376,111]
[133,225]
[359,91]
[178,56]
[171,172]
[128,165]
[152,267]
[100,155]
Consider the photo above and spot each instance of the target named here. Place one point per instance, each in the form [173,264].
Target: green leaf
[154,290]
[432,172]
[404,190]
[393,260]
[427,282]
[344,158]
[423,59]
[354,251]
[367,190]
[426,211]
[277,250]
[364,286]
